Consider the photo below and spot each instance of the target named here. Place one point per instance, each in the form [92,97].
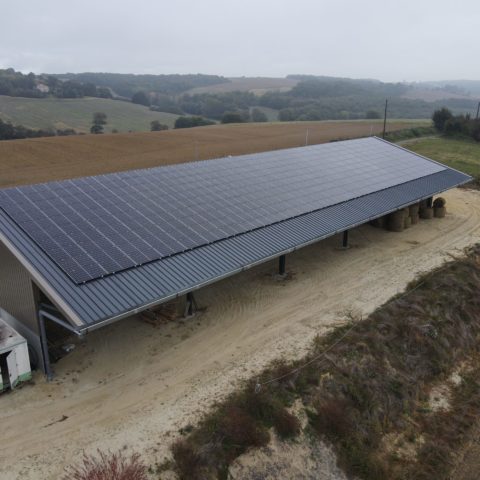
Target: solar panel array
[96,226]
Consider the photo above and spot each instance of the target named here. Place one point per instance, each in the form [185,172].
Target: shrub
[108,466]
[189,464]
[440,117]
[286,424]
[332,418]
[240,430]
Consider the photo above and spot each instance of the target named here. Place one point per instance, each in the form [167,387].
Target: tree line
[452,125]
[8,131]
[17,84]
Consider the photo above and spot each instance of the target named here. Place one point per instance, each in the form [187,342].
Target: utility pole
[306,138]
[385,118]
[478,111]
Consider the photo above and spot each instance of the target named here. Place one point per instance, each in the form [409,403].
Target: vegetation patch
[363,383]
[462,154]
[409,133]
[108,466]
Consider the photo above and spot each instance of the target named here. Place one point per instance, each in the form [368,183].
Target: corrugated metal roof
[104,300]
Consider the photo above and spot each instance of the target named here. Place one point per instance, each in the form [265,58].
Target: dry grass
[58,158]
[108,466]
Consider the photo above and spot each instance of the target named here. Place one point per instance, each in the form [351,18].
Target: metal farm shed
[86,252]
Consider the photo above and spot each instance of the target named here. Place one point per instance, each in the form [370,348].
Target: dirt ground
[133,384]
[57,158]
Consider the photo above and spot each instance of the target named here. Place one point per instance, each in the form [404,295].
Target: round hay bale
[407,222]
[395,222]
[439,212]
[426,213]
[423,204]
[415,219]
[439,202]
[413,209]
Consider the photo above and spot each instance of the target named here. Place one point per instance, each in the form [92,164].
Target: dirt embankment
[135,384]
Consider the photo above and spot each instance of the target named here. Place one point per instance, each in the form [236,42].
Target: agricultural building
[86,252]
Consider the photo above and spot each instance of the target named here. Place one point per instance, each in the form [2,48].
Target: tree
[188,122]
[440,118]
[156,126]
[371,114]
[234,117]
[99,120]
[258,116]
[141,98]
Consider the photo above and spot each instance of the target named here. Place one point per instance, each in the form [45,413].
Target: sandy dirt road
[135,385]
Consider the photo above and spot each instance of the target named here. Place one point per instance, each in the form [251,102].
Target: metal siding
[16,290]
[117,295]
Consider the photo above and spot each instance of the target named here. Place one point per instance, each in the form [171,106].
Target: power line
[259,385]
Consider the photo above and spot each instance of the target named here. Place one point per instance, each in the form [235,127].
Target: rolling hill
[77,113]
[256,85]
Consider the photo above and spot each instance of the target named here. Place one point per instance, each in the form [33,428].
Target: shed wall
[16,290]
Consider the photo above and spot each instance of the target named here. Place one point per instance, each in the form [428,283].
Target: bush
[286,424]
[440,117]
[156,126]
[258,116]
[234,117]
[331,418]
[189,122]
[189,464]
[108,466]
[240,430]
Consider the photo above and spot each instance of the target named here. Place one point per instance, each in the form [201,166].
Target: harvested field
[136,384]
[256,85]
[58,158]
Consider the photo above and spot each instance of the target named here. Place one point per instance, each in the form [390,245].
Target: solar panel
[96,226]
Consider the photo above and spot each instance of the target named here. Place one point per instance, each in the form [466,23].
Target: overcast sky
[392,40]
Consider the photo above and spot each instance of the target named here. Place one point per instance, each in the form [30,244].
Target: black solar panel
[96,226]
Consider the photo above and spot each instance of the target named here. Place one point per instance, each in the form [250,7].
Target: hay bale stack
[423,204]
[407,222]
[413,210]
[439,209]
[426,213]
[396,221]
[415,219]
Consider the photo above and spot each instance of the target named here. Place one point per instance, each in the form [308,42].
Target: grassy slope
[257,85]
[78,113]
[57,158]
[463,155]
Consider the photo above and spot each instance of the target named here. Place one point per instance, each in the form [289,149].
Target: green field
[77,113]
[463,155]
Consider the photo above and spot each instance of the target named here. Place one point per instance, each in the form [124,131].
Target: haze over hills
[65,100]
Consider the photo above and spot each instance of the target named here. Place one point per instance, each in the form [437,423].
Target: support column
[282,263]
[191,305]
[44,343]
[345,239]
[430,202]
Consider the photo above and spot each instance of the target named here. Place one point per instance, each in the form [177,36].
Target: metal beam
[47,369]
[345,239]
[191,306]
[42,316]
[282,264]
